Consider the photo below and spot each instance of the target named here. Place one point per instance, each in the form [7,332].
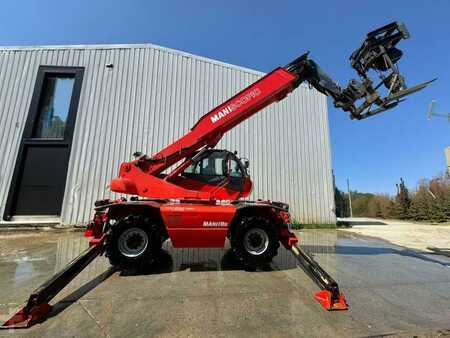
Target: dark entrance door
[41,170]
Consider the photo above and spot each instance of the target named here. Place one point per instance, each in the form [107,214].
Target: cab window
[215,168]
[212,165]
[235,168]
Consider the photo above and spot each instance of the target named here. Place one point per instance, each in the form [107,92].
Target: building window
[54,106]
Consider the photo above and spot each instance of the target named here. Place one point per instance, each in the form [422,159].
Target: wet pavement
[205,292]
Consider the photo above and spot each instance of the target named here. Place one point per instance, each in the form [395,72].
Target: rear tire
[133,243]
[255,241]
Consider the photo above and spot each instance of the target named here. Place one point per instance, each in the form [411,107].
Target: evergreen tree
[440,190]
[402,200]
[340,201]
[421,204]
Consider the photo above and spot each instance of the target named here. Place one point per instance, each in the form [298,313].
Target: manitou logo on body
[235,105]
[213,224]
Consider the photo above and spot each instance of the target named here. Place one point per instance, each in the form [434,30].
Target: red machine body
[193,223]
[197,226]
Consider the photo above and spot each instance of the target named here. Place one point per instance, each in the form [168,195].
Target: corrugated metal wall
[152,96]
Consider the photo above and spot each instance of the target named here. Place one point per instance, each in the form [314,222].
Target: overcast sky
[261,35]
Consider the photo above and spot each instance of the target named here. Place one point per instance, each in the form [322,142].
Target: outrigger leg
[329,297]
[37,307]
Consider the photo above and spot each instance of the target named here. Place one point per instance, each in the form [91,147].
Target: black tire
[129,233]
[249,229]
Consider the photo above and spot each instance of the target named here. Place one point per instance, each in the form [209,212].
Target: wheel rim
[133,242]
[256,241]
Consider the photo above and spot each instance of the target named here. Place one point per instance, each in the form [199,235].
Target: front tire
[133,243]
[255,241]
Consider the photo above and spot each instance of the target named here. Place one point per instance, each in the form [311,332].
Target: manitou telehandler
[193,194]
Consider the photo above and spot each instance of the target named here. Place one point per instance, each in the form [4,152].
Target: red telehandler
[193,194]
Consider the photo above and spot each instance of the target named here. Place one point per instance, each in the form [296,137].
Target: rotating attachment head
[364,97]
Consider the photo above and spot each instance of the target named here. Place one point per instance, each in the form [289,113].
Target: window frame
[27,140]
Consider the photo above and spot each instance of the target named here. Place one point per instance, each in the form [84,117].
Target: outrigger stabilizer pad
[38,308]
[325,298]
[25,317]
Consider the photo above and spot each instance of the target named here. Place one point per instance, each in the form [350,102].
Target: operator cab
[220,171]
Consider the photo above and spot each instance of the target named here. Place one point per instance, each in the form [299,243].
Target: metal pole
[447,157]
[349,198]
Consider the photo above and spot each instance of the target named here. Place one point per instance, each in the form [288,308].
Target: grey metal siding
[150,97]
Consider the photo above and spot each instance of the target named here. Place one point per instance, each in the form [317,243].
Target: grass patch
[297,225]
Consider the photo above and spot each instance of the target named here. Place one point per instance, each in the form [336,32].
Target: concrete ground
[204,292]
[418,236]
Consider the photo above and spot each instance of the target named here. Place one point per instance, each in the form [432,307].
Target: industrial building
[69,115]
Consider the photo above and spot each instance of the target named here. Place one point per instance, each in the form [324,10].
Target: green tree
[420,209]
[439,188]
[340,202]
[431,200]
[402,201]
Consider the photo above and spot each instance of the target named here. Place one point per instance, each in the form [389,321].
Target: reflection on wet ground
[208,259]
[196,259]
